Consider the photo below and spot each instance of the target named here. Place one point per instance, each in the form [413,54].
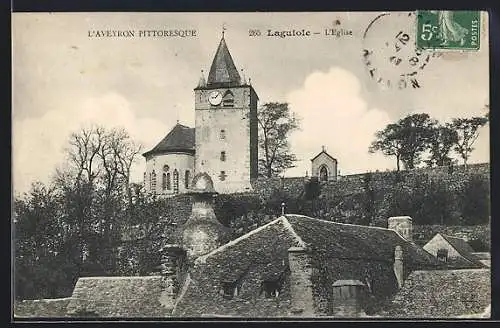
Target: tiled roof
[120,297]
[356,241]
[443,294]
[180,139]
[50,308]
[223,72]
[262,255]
[462,248]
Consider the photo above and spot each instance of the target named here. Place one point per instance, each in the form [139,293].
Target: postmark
[389,52]
[447,29]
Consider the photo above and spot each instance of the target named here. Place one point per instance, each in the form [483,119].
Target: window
[442,255]
[223,156]
[176,181]
[228,99]
[153,181]
[169,185]
[144,179]
[222,134]
[222,175]
[186,179]
[166,167]
[230,290]
[164,181]
[270,289]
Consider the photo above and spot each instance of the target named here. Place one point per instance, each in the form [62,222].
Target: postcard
[240,165]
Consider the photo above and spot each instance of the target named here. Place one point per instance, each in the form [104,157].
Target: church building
[224,142]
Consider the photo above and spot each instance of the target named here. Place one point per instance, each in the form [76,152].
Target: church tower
[226,126]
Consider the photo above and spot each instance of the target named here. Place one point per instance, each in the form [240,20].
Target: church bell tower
[226,125]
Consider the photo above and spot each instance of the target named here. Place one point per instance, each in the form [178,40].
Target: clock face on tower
[215,98]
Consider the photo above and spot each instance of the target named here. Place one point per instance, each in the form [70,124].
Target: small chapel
[324,166]
[224,141]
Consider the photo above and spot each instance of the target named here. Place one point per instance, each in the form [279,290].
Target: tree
[442,140]
[388,142]
[467,130]
[406,139]
[276,122]
[416,132]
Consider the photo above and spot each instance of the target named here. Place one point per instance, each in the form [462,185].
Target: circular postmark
[389,53]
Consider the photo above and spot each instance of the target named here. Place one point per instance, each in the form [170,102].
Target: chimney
[348,299]
[398,265]
[300,282]
[402,225]
[170,260]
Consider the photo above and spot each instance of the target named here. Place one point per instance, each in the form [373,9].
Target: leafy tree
[276,122]
[406,139]
[467,130]
[388,141]
[416,132]
[440,144]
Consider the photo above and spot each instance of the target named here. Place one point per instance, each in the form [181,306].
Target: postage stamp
[447,29]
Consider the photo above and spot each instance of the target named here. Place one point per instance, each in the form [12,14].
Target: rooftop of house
[119,297]
[465,250]
[180,139]
[443,294]
[263,252]
[52,308]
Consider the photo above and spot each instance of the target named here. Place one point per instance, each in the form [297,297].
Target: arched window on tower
[169,185]
[228,99]
[164,182]
[187,176]
[176,181]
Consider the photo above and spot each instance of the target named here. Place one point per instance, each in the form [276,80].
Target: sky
[65,78]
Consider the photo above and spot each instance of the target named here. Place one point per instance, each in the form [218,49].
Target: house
[463,293]
[301,266]
[293,266]
[454,252]
[147,296]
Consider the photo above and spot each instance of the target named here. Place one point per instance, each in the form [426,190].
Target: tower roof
[223,72]
[179,139]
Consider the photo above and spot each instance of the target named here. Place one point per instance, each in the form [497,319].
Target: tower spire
[223,29]
[223,72]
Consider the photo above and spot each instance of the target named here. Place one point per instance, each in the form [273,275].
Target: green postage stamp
[447,29]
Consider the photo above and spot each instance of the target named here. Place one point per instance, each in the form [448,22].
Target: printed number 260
[427,31]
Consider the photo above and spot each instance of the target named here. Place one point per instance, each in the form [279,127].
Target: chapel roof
[323,152]
[223,72]
[442,294]
[180,139]
[118,297]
